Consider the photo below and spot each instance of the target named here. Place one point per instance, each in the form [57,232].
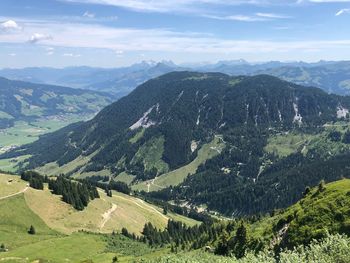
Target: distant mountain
[226,131]
[29,101]
[333,77]
[117,81]
[124,82]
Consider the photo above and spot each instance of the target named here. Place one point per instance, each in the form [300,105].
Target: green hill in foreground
[322,214]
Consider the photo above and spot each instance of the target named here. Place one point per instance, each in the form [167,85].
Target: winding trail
[140,203]
[18,193]
[107,215]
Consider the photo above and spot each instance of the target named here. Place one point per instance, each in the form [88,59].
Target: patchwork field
[26,132]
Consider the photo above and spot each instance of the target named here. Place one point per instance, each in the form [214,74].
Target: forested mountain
[333,77]
[165,123]
[29,101]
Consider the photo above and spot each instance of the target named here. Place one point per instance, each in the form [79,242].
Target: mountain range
[333,77]
[250,144]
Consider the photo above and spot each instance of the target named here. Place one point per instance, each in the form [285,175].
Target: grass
[10,184]
[74,248]
[287,143]
[125,178]
[131,213]
[26,132]
[151,155]
[57,238]
[15,220]
[11,165]
[137,136]
[177,176]
[186,220]
[313,216]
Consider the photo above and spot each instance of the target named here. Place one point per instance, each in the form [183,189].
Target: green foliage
[333,248]
[31,230]
[78,194]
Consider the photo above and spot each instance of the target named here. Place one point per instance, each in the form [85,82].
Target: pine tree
[2,248]
[240,241]
[31,230]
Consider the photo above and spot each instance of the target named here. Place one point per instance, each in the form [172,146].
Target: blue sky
[111,33]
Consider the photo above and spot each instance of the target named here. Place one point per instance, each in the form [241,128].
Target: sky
[114,33]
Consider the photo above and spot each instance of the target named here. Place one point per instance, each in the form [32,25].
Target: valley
[176,131]
[169,173]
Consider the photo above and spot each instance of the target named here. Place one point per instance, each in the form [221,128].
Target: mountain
[250,144]
[25,101]
[124,82]
[331,77]
[117,81]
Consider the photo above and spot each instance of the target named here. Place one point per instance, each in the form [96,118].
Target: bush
[31,230]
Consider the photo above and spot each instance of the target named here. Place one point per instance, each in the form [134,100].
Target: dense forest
[164,116]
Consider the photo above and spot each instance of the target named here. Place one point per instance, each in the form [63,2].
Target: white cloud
[166,6]
[249,18]
[71,55]
[242,18]
[272,16]
[37,37]
[88,15]
[12,54]
[119,40]
[9,25]
[343,11]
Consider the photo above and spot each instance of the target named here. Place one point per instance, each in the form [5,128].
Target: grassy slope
[15,220]
[130,212]
[54,219]
[10,184]
[179,175]
[312,216]
[151,155]
[288,143]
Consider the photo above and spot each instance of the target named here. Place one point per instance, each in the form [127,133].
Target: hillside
[28,110]
[59,227]
[321,214]
[24,101]
[222,130]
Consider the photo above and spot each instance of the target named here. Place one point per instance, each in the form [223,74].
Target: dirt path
[18,193]
[140,203]
[106,216]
